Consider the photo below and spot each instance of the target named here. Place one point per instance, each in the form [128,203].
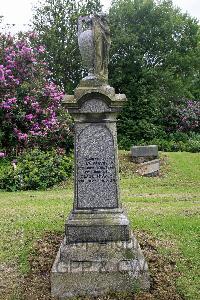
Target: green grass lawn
[167,207]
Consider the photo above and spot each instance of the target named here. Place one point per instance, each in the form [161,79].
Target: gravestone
[99,253]
[147,159]
[149,168]
[142,154]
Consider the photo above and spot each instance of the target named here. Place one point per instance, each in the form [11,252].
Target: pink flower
[36,114]
[22,136]
[5,105]
[12,100]
[32,35]
[17,81]
[26,99]
[2,73]
[41,49]
[29,117]
[35,105]
[2,154]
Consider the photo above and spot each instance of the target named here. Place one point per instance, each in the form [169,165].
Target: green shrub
[36,170]
[174,146]
[193,146]
[178,136]
[172,142]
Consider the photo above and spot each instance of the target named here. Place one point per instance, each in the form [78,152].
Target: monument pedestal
[95,269]
[99,254]
[97,226]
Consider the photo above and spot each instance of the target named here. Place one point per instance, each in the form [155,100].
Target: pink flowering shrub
[183,117]
[30,103]
[189,116]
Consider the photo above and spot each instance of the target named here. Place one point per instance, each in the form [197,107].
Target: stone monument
[99,253]
[147,159]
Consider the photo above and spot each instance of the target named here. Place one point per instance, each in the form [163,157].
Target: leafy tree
[154,57]
[56,23]
[155,60]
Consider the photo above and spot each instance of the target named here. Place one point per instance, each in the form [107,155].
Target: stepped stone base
[95,269]
[97,226]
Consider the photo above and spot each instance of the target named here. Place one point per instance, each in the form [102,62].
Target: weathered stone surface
[86,251]
[99,254]
[95,269]
[144,153]
[86,46]
[96,169]
[149,168]
[89,262]
[94,43]
[94,106]
[88,90]
[97,226]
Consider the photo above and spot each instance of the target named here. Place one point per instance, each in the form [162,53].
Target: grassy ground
[166,207]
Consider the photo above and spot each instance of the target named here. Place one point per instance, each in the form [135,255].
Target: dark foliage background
[155,62]
[154,59]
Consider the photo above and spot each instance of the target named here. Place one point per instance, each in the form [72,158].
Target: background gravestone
[99,254]
[142,154]
[147,159]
